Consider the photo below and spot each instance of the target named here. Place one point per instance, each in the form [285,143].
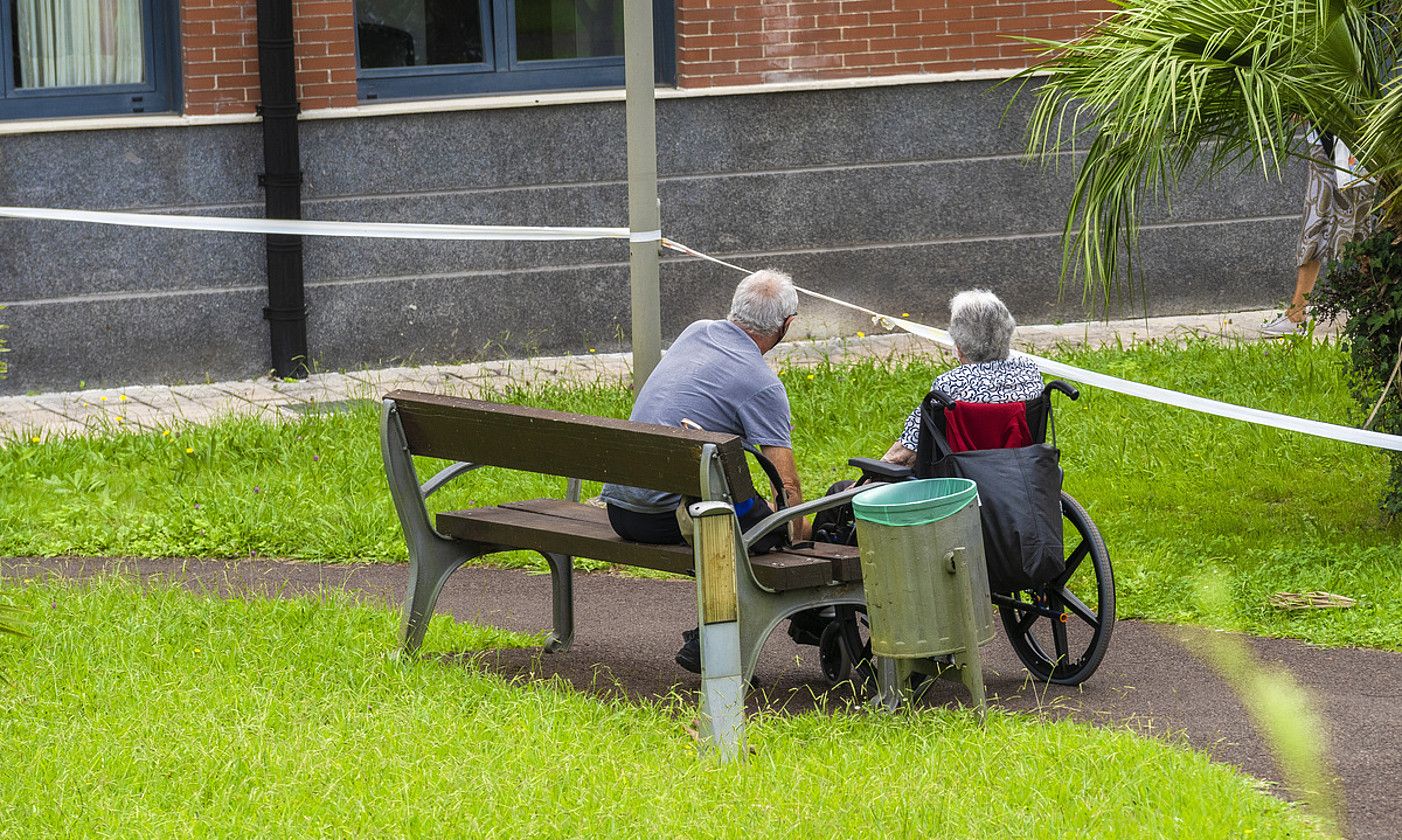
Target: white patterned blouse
[998,381]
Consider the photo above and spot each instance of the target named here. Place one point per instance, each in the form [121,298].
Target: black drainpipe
[286,311]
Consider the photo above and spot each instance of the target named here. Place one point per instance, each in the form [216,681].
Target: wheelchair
[1060,630]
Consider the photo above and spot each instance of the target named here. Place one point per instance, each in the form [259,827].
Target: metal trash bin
[925,578]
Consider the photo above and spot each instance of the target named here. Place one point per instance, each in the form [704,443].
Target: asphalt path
[628,629]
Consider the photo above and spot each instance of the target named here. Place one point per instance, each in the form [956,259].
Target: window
[417,48]
[83,57]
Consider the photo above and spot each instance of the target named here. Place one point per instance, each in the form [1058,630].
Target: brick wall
[219,41]
[719,42]
[743,42]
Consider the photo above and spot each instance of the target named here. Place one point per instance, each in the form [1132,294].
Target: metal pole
[644,216]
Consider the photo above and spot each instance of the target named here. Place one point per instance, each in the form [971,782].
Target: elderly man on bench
[714,376]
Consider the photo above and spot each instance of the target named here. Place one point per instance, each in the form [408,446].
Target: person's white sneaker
[1282,327]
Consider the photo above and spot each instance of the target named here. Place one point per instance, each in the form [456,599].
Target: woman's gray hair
[763,301]
[981,326]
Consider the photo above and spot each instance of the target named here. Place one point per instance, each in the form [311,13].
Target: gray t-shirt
[714,375]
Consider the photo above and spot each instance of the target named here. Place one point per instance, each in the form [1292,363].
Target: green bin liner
[914,502]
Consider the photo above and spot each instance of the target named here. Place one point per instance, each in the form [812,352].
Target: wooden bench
[761,591]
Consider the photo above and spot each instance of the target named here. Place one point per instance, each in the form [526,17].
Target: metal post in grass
[716,543]
[644,216]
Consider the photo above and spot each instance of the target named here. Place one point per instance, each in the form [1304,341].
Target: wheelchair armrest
[881,469]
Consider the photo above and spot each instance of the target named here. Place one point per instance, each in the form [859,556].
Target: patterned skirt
[1333,217]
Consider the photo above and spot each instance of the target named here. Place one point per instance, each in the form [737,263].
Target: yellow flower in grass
[122,398]
[34,439]
[165,432]
[120,418]
[905,314]
[102,399]
[861,334]
[810,376]
[189,450]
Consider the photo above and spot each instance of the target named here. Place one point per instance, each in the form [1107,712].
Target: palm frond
[1162,84]
[1381,151]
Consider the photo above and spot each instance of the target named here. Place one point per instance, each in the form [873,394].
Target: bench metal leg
[431,561]
[761,612]
[562,602]
[716,543]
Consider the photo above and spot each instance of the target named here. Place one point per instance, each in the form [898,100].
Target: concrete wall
[891,197]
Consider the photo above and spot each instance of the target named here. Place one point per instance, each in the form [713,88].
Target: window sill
[488,102]
[481,103]
[57,124]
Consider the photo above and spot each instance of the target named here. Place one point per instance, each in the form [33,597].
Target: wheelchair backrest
[1038,412]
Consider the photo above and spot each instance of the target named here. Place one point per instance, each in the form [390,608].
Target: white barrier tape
[302,227]
[394,230]
[1177,399]
[672,244]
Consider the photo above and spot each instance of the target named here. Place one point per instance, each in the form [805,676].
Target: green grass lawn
[156,713]
[1179,497]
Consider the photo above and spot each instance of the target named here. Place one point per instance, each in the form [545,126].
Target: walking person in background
[1338,205]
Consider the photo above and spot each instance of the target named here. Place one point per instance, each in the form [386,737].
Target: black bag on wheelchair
[836,525]
[1019,486]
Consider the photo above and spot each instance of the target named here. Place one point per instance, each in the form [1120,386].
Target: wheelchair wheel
[832,655]
[844,652]
[1062,630]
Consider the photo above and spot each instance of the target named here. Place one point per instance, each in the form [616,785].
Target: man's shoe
[689,657]
[1282,327]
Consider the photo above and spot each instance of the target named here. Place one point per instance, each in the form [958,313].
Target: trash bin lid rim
[916,511]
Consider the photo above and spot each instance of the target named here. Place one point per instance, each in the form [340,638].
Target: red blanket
[986,426]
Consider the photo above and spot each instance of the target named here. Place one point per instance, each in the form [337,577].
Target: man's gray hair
[763,301]
[981,326]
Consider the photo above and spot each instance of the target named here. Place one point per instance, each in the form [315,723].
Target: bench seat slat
[508,526]
[565,527]
[845,559]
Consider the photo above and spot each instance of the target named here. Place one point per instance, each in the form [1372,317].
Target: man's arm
[782,459]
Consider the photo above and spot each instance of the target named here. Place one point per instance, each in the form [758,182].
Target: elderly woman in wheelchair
[982,329]
[1056,600]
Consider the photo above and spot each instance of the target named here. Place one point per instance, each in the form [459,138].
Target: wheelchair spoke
[1079,607]
[1073,563]
[1063,655]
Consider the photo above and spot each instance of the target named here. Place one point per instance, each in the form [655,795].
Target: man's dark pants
[662,528]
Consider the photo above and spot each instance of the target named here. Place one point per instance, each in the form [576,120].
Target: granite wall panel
[892,197]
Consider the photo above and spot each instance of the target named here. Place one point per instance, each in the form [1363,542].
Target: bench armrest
[881,469]
[783,517]
[445,475]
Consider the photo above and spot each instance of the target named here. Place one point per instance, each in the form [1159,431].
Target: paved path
[153,406]
[1148,681]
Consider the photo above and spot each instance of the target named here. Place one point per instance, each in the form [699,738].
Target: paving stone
[152,406]
[32,420]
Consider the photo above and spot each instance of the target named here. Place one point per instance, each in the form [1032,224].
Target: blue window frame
[137,73]
[426,48]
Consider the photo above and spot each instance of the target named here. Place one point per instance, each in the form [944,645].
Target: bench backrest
[565,444]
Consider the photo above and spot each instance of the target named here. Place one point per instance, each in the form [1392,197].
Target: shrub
[1365,286]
